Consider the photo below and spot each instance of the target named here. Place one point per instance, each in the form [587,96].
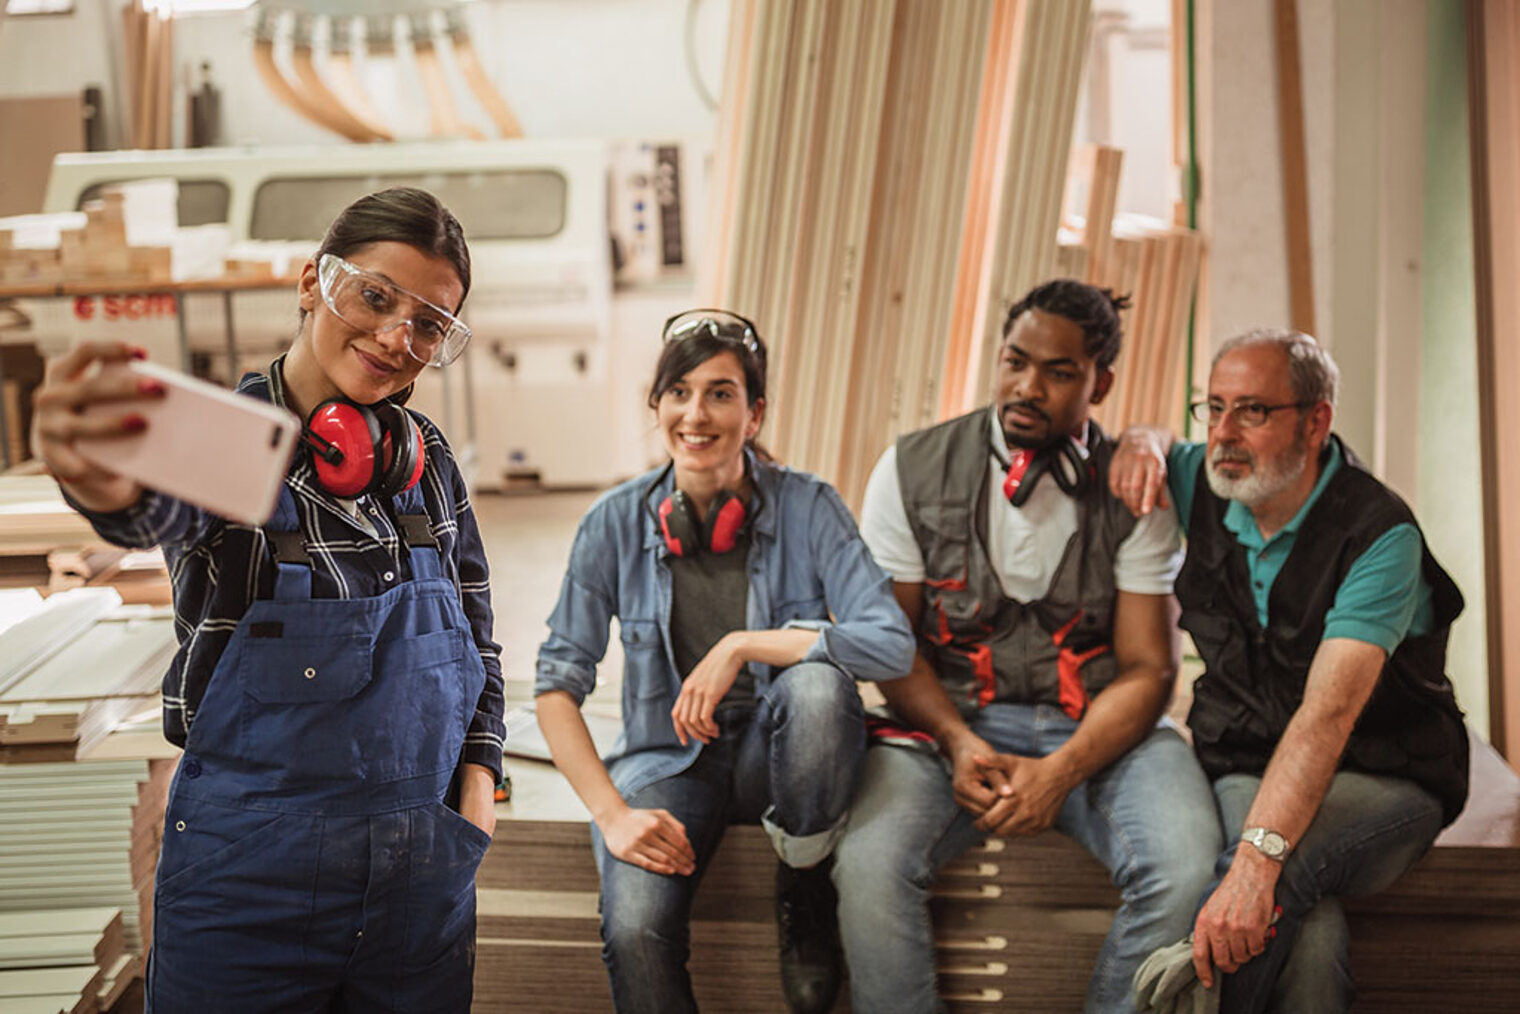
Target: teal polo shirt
[1384,597]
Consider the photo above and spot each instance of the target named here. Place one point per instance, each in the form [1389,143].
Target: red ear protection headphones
[1061,459]
[685,534]
[358,449]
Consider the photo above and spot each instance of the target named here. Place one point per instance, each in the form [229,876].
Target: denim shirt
[807,567]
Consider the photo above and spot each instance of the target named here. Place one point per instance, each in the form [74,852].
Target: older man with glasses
[1324,717]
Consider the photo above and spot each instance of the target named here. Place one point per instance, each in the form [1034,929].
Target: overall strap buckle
[417,530]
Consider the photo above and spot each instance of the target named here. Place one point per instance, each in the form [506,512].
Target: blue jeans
[1147,817]
[789,762]
[1367,832]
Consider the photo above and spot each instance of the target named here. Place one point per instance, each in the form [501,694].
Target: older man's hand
[1137,473]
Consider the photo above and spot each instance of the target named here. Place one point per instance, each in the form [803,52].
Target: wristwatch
[1269,843]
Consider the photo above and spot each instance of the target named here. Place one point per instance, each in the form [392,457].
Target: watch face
[1269,843]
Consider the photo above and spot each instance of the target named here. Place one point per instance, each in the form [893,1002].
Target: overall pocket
[299,717]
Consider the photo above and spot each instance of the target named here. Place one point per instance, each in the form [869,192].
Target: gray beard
[1267,479]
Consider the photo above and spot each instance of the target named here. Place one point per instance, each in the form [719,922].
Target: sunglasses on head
[721,324]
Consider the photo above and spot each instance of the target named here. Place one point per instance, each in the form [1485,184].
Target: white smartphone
[204,444]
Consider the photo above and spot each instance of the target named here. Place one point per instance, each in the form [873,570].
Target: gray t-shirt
[709,598]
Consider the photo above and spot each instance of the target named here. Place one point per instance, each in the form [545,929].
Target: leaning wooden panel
[779,234]
[999,68]
[838,333]
[896,191]
[1493,54]
[1028,190]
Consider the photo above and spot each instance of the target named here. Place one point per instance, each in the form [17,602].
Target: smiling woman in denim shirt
[748,607]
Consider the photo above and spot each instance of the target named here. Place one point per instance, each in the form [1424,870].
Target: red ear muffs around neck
[1062,460]
[357,450]
[725,520]
[402,447]
[687,536]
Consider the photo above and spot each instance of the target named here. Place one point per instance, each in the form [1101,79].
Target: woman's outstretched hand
[58,419]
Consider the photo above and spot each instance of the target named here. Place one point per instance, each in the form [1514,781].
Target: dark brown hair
[1094,310]
[400,215]
[682,355]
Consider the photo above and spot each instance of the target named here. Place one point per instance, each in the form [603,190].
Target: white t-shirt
[1025,543]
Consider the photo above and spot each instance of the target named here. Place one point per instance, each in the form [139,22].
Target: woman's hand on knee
[651,839]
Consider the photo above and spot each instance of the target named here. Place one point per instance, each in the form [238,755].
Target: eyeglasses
[720,324]
[1248,414]
[369,302]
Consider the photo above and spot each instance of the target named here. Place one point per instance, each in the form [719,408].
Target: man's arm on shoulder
[1119,717]
[1137,472]
[1232,927]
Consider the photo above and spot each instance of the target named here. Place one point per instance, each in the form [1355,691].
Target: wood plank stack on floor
[71,960]
[83,834]
[1018,922]
[74,668]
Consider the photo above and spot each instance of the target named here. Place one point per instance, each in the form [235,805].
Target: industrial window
[201,202]
[490,204]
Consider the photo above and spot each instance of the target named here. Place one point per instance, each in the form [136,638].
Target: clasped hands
[1009,795]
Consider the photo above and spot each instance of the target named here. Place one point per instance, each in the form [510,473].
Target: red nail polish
[151,387]
[134,424]
[138,352]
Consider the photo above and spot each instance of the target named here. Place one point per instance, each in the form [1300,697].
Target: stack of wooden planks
[1154,263]
[148,34]
[1018,922]
[70,960]
[889,180]
[45,544]
[73,668]
[83,834]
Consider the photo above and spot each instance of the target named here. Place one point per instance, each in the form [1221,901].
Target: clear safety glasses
[367,301]
[717,323]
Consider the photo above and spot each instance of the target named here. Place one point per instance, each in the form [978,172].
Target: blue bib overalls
[310,861]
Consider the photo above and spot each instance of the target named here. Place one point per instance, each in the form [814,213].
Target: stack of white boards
[73,665]
[70,960]
[83,834]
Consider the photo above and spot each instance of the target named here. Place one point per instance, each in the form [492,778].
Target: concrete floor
[527,538]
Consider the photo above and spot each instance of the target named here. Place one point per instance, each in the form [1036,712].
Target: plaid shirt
[219,567]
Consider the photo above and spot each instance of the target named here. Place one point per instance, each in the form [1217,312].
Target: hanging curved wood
[274,79]
[316,92]
[445,120]
[345,83]
[486,93]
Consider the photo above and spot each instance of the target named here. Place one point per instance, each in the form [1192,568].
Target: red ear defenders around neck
[1061,459]
[686,535]
[358,450]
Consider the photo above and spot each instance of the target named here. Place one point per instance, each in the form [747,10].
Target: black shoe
[807,933]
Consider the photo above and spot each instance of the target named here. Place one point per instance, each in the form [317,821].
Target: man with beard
[1324,717]
[1046,656]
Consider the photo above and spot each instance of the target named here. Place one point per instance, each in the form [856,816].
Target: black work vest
[1254,679]
[983,645]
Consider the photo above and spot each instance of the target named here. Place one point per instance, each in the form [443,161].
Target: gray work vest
[984,645]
